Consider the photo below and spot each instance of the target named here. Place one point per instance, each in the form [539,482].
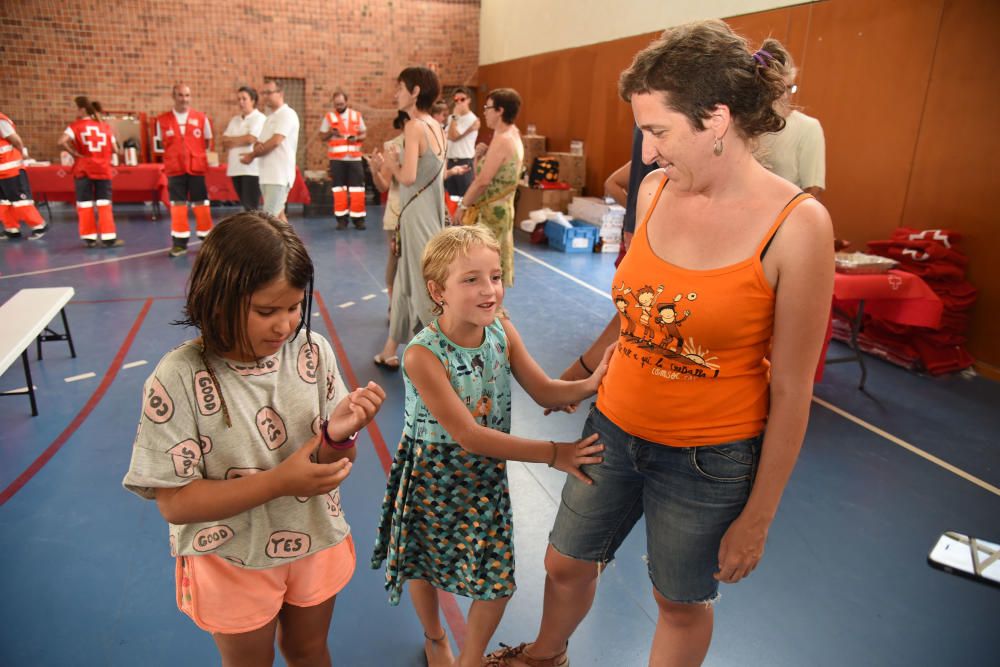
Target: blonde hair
[445,247]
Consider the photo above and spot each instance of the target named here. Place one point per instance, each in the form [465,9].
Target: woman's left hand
[355,411]
[741,549]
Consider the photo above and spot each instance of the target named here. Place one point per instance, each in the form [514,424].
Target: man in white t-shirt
[279,141]
[241,134]
[798,152]
[462,129]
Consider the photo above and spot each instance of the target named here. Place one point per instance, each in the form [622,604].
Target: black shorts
[187,187]
[12,189]
[89,189]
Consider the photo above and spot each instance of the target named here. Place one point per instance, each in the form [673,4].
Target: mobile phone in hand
[968,557]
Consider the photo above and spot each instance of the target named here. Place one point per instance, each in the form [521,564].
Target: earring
[717,149]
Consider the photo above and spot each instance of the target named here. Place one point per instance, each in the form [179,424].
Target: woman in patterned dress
[446,518]
[489,201]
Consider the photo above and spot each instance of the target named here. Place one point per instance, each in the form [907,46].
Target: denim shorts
[690,496]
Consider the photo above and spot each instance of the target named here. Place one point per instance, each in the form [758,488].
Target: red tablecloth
[220,187]
[144,182]
[896,296]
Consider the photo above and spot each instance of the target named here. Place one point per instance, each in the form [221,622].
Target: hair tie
[760,56]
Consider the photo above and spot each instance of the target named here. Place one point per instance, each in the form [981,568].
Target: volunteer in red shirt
[16,205]
[92,142]
[344,130]
[182,137]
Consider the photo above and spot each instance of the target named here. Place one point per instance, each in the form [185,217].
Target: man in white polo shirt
[279,141]
[462,128]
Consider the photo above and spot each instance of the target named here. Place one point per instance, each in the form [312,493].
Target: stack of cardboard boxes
[572,170]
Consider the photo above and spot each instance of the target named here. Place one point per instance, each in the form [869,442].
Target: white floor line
[82,265]
[367,297]
[82,376]
[829,406]
[907,446]
[18,390]
[385,290]
[316,314]
[562,273]
[133,364]
[346,304]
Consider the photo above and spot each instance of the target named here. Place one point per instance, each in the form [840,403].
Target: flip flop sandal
[504,657]
[388,363]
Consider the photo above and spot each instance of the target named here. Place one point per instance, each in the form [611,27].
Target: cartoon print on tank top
[654,336]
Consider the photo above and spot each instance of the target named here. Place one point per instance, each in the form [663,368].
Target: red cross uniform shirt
[94,141]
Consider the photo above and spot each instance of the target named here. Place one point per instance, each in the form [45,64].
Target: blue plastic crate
[579,239]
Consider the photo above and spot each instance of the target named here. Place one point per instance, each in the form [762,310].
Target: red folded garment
[918,251]
[945,237]
[550,185]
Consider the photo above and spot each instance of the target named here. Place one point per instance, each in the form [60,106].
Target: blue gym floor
[87,578]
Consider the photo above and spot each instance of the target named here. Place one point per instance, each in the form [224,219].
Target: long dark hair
[244,252]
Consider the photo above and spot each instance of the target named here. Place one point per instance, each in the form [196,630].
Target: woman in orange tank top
[722,300]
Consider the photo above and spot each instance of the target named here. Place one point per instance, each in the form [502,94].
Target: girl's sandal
[443,639]
[506,656]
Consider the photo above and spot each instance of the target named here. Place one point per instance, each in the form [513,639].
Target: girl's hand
[602,368]
[571,455]
[741,549]
[481,150]
[355,411]
[299,476]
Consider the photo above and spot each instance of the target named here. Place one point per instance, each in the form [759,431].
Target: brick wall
[129,53]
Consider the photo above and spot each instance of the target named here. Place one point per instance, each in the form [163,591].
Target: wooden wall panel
[867,77]
[905,91]
[954,182]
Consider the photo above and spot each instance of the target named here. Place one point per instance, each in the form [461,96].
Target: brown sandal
[443,639]
[503,657]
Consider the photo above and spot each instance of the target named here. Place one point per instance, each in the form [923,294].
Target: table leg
[156,207]
[27,377]
[853,344]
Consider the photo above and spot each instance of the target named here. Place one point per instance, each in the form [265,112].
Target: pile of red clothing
[931,254]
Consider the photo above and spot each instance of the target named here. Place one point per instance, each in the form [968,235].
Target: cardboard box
[532,199]
[534,145]
[572,169]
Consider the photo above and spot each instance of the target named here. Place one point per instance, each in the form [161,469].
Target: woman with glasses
[238,139]
[798,152]
[489,201]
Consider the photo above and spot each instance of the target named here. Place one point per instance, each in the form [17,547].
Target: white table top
[25,315]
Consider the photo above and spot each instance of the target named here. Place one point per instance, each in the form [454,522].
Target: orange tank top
[691,366]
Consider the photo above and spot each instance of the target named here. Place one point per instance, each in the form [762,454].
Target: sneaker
[16,234]
[177,251]
[113,243]
[90,243]
[341,225]
[37,233]
[359,225]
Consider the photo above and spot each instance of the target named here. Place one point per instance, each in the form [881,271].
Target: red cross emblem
[895,282]
[94,138]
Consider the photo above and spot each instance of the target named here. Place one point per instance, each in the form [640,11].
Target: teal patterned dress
[446,514]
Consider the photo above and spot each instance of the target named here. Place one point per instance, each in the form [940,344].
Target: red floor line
[128,298]
[95,398]
[452,614]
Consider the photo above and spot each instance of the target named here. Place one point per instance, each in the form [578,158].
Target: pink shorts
[223,598]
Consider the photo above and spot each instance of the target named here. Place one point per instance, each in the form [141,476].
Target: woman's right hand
[299,476]
[571,455]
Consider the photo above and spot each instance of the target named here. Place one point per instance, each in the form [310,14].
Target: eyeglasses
[461,99]
[488,107]
[268,92]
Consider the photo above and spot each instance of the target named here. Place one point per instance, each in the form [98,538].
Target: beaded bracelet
[555,451]
[341,445]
